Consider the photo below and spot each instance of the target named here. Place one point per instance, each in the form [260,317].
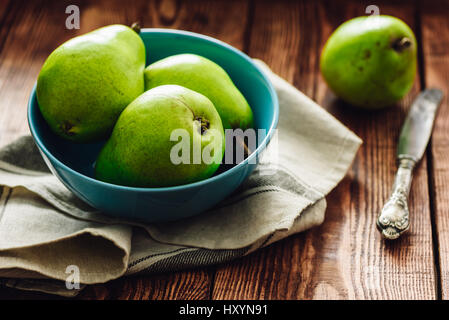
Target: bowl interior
[159,44]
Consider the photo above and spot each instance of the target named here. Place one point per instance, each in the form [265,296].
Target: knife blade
[417,128]
[393,220]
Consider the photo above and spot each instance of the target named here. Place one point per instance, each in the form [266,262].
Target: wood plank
[24,49]
[186,285]
[345,258]
[435,39]
[41,27]
[281,36]
[6,17]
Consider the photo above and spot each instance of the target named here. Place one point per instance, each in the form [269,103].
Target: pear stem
[246,149]
[136,27]
[401,44]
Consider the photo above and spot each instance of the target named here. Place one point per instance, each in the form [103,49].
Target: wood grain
[187,285]
[275,272]
[435,39]
[345,258]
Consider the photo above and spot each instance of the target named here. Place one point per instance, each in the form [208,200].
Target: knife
[393,220]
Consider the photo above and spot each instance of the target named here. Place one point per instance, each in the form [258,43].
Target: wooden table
[345,258]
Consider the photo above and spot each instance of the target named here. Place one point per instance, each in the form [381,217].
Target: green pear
[370,61]
[208,78]
[86,82]
[168,136]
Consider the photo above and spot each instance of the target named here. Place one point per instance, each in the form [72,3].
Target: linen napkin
[50,240]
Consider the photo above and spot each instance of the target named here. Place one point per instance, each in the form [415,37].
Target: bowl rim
[201,37]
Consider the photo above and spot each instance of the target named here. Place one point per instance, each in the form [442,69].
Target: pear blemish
[204,124]
[68,128]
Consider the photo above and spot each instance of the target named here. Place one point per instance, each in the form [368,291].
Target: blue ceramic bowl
[73,163]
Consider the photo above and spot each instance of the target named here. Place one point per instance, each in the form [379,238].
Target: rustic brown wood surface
[345,258]
[435,33]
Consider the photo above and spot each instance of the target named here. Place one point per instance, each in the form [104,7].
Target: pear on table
[86,83]
[370,62]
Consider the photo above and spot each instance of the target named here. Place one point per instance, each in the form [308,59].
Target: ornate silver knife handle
[394,217]
[415,134]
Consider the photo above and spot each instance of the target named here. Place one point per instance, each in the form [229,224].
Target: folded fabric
[46,232]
